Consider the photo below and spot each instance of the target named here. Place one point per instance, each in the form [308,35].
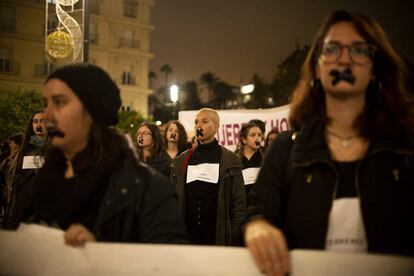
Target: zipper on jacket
[336,182]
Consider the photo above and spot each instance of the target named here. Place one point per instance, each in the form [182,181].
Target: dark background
[236,38]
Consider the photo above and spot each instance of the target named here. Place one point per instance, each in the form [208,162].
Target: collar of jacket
[310,143]
[160,158]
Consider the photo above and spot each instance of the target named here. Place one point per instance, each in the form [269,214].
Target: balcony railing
[7,24]
[127,78]
[130,8]
[9,66]
[43,70]
[128,43]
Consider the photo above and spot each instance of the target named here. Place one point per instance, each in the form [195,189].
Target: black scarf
[61,202]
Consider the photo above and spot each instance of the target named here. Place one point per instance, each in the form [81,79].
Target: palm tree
[151,77]
[192,99]
[210,80]
[166,70]
[222,91]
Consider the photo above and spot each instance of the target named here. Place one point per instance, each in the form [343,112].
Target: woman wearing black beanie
[91,185]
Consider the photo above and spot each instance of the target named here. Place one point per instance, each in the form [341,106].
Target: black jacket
[162,163]
[140,206]
[231,207]
[295,190]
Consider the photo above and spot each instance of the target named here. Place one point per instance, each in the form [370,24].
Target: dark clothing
[162,163]
[202,197]
[138,205]
[254,162]
[346,184]
[22,189]
[231,205]
[63,201]
[296,193]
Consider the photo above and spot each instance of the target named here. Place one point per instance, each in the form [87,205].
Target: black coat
[140,205]
[162,163]
[296,193]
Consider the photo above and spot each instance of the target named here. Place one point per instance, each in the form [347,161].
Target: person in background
[91,185]
[7,171]
[175,138]
[162,129]
[271,136]
[260,124]
[28,161]
[194,142]
[4,150]
[209,183]
[151,148]
[343,179]
[250,153]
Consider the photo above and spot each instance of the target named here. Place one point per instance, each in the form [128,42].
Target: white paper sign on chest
[207,172]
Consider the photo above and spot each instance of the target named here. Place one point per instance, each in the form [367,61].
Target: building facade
[119,33]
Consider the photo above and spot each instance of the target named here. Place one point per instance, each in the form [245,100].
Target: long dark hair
[156,137]
[182,136]
[244,132]
[25,144]
[388,109]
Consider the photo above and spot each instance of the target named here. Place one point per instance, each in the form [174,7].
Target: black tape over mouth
[173,136]
[39,129]
[257,143]
[53,131]
[345,75]
[199,132]
[140,141]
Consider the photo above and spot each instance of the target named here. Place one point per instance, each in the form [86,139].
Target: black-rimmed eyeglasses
[360,53]
[144,133]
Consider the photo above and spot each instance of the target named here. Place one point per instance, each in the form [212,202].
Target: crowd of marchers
[342,179]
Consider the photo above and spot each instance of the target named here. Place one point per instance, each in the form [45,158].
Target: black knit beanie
[94,87]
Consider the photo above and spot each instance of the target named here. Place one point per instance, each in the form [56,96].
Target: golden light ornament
[59,44]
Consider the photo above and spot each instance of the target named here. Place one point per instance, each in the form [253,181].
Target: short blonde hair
[213,115]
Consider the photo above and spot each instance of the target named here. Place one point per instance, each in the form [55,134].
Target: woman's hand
[78,235]
[268,246]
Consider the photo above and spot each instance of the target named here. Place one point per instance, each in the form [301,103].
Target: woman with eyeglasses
[151,148]
[343,179]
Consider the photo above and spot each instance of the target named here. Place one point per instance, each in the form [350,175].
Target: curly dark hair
[182,137]
[244,132]
[388,109]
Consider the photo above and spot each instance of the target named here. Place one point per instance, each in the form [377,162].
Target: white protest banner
[42,252]
[232,120]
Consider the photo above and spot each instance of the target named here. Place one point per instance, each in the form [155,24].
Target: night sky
[236,38]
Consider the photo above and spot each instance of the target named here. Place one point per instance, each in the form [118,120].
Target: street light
[174,97]
[247,89]
[174,93]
